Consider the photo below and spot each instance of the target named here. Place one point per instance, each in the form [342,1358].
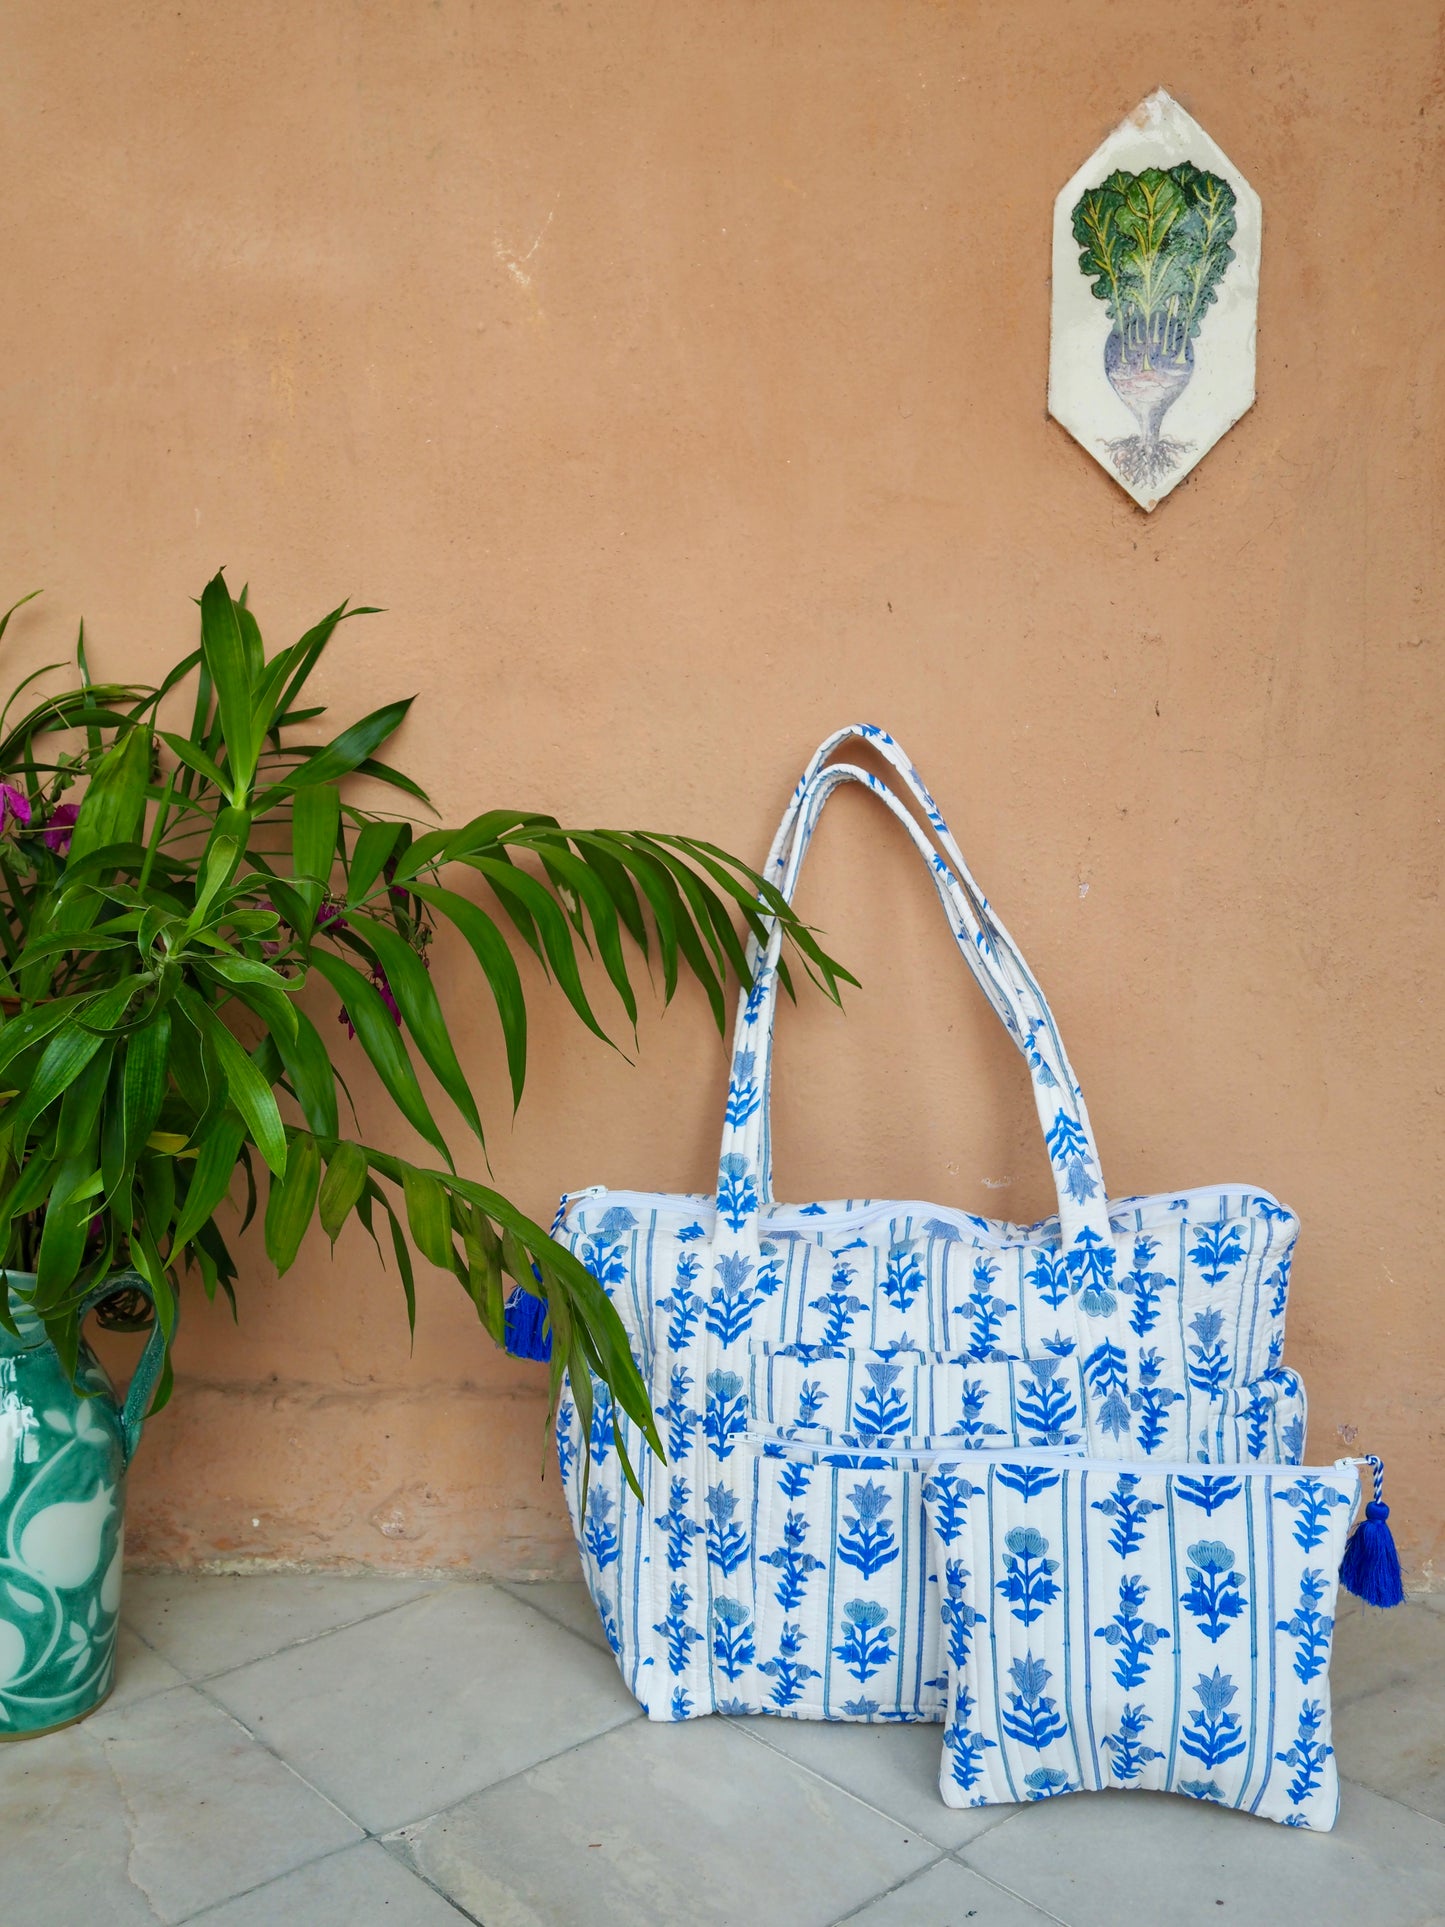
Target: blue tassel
[527,1333]
[1370,1568]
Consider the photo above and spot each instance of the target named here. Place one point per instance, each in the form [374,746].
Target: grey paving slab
[689,1825]
[1374,1650]
[248,1616]
[1389,1689]
[1097,1859]
[360,1887]
[947,1895]
[150,1812]
[65,1839]
[892,1767]
[404,1714]
[138,1671]
[568,1602]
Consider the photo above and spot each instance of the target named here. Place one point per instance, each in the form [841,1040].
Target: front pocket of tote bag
[901,1401]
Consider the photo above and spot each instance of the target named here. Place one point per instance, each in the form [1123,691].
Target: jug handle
[148,1366]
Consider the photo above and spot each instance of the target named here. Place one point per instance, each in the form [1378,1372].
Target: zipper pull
[1371,1566]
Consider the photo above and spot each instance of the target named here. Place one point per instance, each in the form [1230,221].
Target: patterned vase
[63,1460]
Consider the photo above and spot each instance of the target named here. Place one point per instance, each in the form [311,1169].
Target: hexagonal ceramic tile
[1156,289]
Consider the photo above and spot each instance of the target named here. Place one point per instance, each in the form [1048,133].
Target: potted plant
[165,898]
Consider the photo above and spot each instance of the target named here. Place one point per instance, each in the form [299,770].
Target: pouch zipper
[1059,1455]
[797,1220]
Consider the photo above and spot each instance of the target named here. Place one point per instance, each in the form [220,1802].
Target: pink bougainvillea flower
[378,977]
[14,808]
[60,827]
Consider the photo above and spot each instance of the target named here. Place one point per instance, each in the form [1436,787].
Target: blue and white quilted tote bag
[1141,1626]
[805,1359]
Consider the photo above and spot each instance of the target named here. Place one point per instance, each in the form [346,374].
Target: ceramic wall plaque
[1156,290]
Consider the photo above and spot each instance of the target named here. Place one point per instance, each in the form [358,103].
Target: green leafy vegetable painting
[1156,246]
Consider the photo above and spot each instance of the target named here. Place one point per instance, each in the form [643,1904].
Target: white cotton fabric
[806,1360]
[1140,1626]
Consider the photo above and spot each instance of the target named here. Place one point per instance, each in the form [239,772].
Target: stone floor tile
[1375,1649]
[359,1887]
[1097,1859]
[65,1839]
[1435,1601]
[150,1812]
[892,1767]
[568,1602]
[947,1895]
[1389,1722]
[404,1714]
[691,1825]
[210,1622]
[138,1671]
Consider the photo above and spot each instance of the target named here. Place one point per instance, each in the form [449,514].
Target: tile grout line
[295,1772]
[320,1860]
[291,1645]
[1046,1913]
[509,1588]
[848,1793]
[885,1892]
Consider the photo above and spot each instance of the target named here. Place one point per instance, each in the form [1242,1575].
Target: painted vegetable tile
[1156,279]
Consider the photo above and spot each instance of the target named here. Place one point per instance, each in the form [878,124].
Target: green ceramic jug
[63,1459]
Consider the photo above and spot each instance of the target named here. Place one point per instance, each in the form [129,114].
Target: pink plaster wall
[674,377]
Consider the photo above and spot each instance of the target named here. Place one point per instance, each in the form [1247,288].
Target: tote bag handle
[744,1178]
[977,912]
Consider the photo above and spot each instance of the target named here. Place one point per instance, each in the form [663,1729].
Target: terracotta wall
[674,376]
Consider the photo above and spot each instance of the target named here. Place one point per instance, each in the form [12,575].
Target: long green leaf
[195,759]
[211,1177]
[61,1062]
[421,1012]
[311,1074]
[250,1093]
[373,846]
[342,1186]
[68,1212]
[512,884]
[224,651]
[65,1057]
[292,1202]
[345,752]
[114,805]
[429,1217]
[499,967]
[382,1043]
[143,1087]
[315,820]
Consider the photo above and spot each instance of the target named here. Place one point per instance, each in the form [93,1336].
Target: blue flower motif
[1214,1593]
[867,1639]
[727,1543]
[1033,1719]
[732,1643]
[867,1541]
[1028,1584]
[1045,1781]
[1213,1735]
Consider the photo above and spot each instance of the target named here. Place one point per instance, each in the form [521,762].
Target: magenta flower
[14,808]
[329,913]
[60,827]
[378,977]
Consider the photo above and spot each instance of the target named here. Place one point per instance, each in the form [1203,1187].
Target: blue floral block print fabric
[1140,1627]
[806,1362]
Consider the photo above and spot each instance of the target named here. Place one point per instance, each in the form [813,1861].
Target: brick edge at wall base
[421,1480]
